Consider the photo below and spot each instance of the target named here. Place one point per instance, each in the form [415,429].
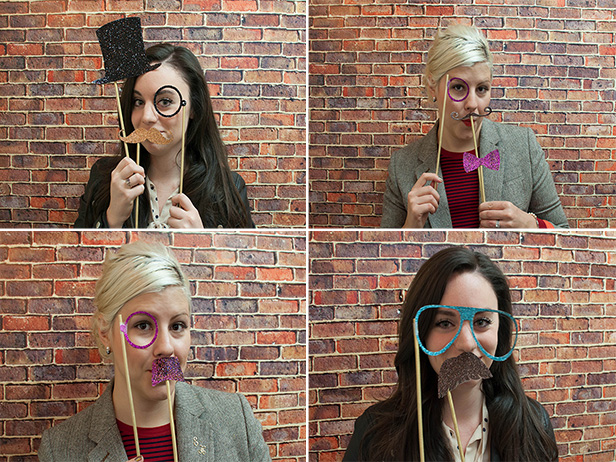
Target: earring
[434,99]
[108,350]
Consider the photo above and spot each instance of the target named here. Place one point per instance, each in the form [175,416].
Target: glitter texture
[167,368]
[491,161]
[121,42]
[462,368]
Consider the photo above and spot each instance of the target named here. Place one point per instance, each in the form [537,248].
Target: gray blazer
[211,426]
[524,177]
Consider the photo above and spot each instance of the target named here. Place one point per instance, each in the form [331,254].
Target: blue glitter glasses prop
[445,323]
[142,331]
[168,101]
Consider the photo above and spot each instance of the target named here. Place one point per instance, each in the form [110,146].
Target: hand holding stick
[130,393]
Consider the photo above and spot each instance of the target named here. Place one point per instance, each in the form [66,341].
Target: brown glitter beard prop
[462,368]
[141,134]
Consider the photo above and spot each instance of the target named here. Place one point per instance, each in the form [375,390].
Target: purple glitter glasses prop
[142,333]
[459,87]
[167,368]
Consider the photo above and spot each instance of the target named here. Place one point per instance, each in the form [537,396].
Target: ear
[104,332]
[431,86]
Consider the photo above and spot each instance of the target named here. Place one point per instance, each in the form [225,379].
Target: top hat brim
[121,75]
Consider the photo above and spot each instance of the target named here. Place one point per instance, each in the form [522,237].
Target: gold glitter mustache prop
[142,134]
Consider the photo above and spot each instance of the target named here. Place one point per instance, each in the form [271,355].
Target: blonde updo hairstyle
[458,45]
[135,269]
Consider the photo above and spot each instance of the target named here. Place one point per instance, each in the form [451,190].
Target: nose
[470,103]
[465,341]
[149,116]
[163,345]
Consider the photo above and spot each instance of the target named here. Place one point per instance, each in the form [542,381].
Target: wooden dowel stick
[137,199]
[441,125]
[175,445]
[419,400]
[130,393]
[455,425]
[121,117]
[482,190]
[182,159]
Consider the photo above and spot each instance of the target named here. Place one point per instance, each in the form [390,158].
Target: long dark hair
[208,181]
[520,433]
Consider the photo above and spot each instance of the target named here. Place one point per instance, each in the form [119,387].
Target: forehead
[167,303]
[150,82]
[477,73]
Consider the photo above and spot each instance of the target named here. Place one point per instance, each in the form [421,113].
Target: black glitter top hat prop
[124,56]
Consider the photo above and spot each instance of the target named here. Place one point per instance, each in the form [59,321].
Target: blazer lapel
[428,152]
[104,431]
[493,180]
[195,435]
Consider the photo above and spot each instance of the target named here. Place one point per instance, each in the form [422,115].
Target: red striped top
[155,443]
[462,190]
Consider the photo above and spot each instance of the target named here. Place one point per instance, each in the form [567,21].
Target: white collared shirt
[477,449]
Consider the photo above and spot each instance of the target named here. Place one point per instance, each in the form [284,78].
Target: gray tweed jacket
[211,426]
[524,177]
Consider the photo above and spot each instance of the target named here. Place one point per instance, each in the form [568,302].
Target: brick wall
[55,123]
[554,72]
[564,296]
[248,331]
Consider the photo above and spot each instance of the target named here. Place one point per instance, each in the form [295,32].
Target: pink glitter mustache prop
[166,369]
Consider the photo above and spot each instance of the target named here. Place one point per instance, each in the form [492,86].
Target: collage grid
[301,315]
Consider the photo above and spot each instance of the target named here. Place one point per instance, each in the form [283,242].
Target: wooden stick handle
[422,457]
[183,143]
[482,190]
[130,393]
[175,445]
[121,117]
[137,198]
[441,125]
[455,425]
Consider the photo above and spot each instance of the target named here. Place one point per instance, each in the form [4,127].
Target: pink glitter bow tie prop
[166,369]
[491,161]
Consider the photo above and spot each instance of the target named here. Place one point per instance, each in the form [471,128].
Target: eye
[444,324]
[483,322]
[178,326]
[142,325]
[483,89]
[137,102]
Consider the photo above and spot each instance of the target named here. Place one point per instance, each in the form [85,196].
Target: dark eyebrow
[135,92]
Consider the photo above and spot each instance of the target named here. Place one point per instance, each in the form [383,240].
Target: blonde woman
[145,284]
[519,188]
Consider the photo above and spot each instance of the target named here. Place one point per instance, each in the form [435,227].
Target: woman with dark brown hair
[497,421]
[212,196]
